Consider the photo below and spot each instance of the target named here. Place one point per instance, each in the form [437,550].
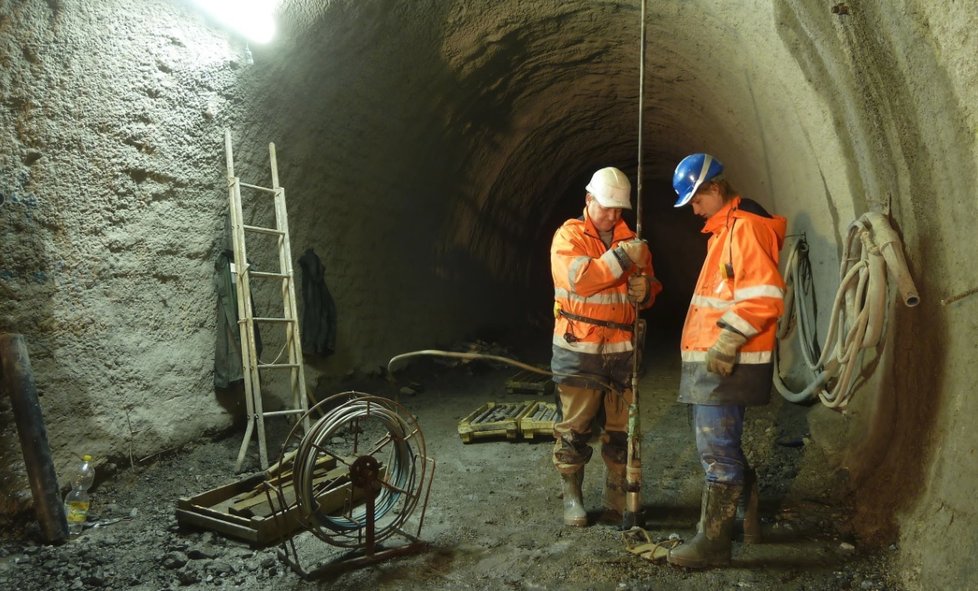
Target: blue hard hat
[691,172]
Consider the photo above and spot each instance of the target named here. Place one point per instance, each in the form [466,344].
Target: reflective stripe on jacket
[739,286]
[590,281]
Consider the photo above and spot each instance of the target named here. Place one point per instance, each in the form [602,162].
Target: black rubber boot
[711,546]
[748,517]
[574,513]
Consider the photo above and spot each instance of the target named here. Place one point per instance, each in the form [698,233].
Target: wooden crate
[528,382]
[494,419]
[539,421]
[244,511]
[210,510]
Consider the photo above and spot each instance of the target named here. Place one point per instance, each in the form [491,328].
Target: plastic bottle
[77,500]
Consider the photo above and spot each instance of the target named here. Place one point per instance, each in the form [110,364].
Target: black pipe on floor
[18,382]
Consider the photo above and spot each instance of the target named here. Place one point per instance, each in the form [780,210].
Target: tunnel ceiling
[491,116]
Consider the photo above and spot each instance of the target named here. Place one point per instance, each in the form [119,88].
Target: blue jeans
[718,434]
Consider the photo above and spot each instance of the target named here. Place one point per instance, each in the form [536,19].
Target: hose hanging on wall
[858,311]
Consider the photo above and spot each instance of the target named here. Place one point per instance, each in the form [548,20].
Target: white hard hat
[611,188]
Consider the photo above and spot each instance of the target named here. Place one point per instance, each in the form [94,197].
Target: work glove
[637,251]
[638,288]
[722,356]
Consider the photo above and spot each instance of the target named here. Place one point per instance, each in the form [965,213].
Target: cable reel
[358,475]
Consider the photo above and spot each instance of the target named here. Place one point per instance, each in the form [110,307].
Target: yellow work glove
[638,288]
[637,251]
[722,356]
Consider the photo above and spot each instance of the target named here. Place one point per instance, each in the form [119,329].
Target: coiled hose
[858,311]
[497,358]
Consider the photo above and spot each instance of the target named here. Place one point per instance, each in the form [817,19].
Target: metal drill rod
[481,417]
[633,466]
[497,415]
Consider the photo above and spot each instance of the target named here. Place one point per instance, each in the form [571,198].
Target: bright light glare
[255,19]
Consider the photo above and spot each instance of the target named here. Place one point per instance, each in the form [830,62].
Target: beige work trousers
[580,406]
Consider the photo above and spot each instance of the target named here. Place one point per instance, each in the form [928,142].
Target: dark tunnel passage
[495,140]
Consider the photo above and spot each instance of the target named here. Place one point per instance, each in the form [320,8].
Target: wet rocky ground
[493,518]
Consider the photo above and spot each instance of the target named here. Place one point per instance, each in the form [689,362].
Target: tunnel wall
[867,107]
[112,177]
[112,172]
[377,164]
[901,94]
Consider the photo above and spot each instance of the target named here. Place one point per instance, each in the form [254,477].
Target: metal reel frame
[391,475]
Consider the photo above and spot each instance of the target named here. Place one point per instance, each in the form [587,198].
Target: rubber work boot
[574,514]
[615,485]
[711,547]
[748,517]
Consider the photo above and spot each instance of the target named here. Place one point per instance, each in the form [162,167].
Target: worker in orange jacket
[601,274]
[727,349]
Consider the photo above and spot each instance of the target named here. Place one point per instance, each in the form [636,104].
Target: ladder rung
[261,230]
[268,320]
[273,275]
[277,413]
[278,365]
[266,189]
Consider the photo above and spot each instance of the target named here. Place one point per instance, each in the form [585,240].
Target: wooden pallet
[528,382]
[493,420]
[251,509]
[539,421]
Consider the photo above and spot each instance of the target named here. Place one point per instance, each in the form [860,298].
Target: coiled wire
[402,473]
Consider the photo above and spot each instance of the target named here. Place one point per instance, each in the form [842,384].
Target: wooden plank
[260,506]
[324,462]
[539,427]
[255,520]
[218,524]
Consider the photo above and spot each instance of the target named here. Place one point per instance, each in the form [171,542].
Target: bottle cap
[87,458]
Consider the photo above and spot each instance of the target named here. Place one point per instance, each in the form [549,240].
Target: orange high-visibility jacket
[739,286]
[750,298]
[590,280]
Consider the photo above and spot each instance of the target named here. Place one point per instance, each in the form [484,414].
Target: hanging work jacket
[228,367]
[593,316]
[318,332]
[739,287]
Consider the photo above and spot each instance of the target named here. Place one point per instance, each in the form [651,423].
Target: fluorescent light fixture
[254,19]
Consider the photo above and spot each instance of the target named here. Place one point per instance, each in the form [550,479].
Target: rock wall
[112,203]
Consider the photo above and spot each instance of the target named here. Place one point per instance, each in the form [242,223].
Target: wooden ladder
[252,366]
